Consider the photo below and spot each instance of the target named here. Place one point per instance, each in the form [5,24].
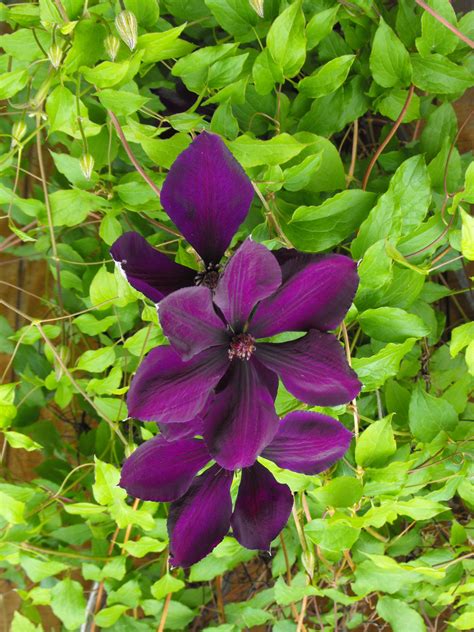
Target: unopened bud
[112,45]
[257,6]
[55,55]
[18,131]
[86,163]
[127,28]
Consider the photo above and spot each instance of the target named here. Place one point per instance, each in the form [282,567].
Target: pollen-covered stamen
[209,277]
[241,346]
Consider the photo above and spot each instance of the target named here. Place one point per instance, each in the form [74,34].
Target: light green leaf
[321,25]
[160,46]
[430,415]
[97,360]
[435,37]
[266,73]
[465,621]
[376,444]
[332,536]
[12,510]
[460,337]
[19,440]
[286,40]
[391,324]
[252,152]
[298,176]
[22,624]
[12,82]
[121,102]
[375,370]
[165,585]
[467,235]
[103,288]
[83,509]
[438,74]
[68,603]
[143,546]
[399,615]
[343,491]
[328,78]
[90,325]
[106,617]
[389,59]
[147,12]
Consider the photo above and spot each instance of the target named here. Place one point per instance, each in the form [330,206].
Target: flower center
[241,346]
[209,277]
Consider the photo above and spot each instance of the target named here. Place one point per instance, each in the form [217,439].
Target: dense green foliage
[304,96]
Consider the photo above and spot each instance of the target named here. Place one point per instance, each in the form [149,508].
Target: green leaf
[12,510]
[121,102]
[343,491]
[391,324]
[12,82]
[90,325]
[400,209]
[467,235]
[68,603]
[193,69]
[391,105]
[235,17]
[328,78]
[389,59]
[376,444]
[375,370]
[286,40]
[320,26]
[97,360]
[465,621]
[83,509]
[22,624]
[460,337]
[435,37]
[109,73]
[299,176]
[266,73]
[70,207]
[103,288]
[143,546]
[19,440]
[165,585]
[437,74]
[107,478]
[332,536]
[106,617]
[441,125]
[252,152]
[430,415]
[317,228]
[147,12]
[225,71]
[160,46]
[164,151]
[399,615]
[38,569]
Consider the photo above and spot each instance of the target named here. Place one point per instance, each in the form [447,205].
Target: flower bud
[55,55]
[18,131]
[127,28]
[112,45]
[86,163]
[257,6]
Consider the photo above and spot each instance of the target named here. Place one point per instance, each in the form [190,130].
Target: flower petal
[262,508]
[162,471]
[241,420]
[308,442]
[174,431]
[166,389]
[147,270]
[199,520]
[313,368]
[252,274]
[207,195]
[189,321]
[316,293]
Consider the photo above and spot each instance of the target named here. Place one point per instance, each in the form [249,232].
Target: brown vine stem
[220,599]
[139,168]
[355,140]
[445,23]
[164,614]
[389,137]
[355,410]
[49,214]
[62,10]
[293,608]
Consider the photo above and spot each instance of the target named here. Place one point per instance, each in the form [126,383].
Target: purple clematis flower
[207,195]
[219,375]
[201,508]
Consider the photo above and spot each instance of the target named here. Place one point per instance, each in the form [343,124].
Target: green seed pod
[112,45]
[55,55]
[19,129]
[86,163]
[127,28]
[258,7]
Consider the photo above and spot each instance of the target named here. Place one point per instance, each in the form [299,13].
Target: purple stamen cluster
[222,387]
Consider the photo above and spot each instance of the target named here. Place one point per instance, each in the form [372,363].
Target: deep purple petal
[262,508]
[162,471]
[313,368]
[172,432]
[316,293]
[241,420]
[199,520]
[252,274]
[189,321]
[147,270]
[167,389]
[308,442]
[207,195]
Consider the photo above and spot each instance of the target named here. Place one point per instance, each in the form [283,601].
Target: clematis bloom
[207,195]
[201,506]
[218,369]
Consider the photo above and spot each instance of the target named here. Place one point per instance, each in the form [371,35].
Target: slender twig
[220,599]
[164,614]
[62,10]
[355,410]
[355,140]
[304,604]
[445,23]
[389,137]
